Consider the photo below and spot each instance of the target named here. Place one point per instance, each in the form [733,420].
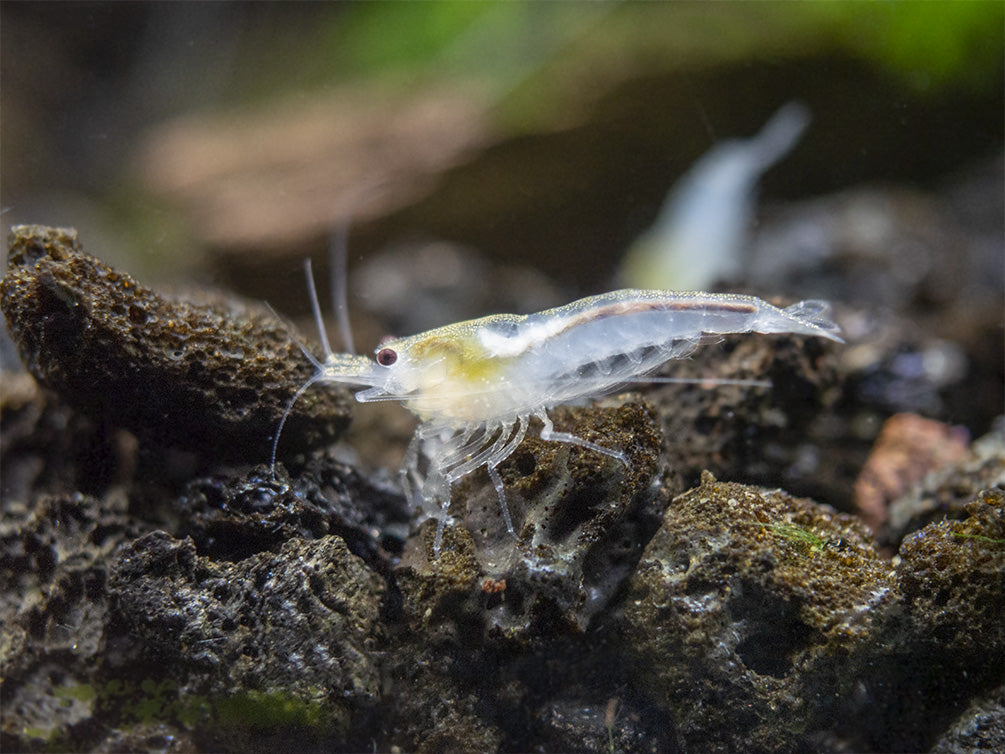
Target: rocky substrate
[164,589]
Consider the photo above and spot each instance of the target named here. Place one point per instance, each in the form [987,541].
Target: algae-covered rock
[757,433]
[762,622]
[135,637]
[54,574]
[941,640]
[212,377]
[736,596]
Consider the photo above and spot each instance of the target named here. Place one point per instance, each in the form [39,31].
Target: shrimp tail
[815,316]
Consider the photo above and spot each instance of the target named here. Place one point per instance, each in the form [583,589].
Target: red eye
[386,357]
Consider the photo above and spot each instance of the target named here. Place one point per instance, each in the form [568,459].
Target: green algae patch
[83,692]
[125,703]
[263,709]
[145,702]
[980,537]
[798,535]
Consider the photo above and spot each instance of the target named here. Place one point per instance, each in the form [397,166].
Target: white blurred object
[701,232]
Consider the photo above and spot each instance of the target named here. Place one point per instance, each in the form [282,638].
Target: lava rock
[766,623]
[277,639]
[210,377]
[581,519]
[734,598]
[54,575]
[234,514]
[484,628]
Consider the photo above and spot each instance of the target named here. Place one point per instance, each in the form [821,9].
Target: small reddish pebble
[908,447]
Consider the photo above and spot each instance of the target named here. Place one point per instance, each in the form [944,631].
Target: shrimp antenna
[339,253]
[286,415]
[318,375]
[316,308]
[310,357]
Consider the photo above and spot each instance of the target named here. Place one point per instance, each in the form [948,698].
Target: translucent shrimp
[475,385]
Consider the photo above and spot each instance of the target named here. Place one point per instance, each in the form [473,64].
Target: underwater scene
[502,377]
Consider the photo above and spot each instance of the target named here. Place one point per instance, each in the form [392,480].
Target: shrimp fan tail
[815,315]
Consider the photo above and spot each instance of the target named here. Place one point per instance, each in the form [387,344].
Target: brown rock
[211,377]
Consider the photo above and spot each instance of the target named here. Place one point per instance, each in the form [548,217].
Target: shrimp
[475,385]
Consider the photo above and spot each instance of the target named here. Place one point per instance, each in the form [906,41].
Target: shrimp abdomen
[628,333]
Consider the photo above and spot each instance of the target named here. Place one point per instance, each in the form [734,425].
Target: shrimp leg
[548,433]
[447,471]
[441,523]
[497,458]
[411,480]
[497,482]
[460,470]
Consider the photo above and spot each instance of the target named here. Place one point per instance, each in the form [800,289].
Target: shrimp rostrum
[475,385]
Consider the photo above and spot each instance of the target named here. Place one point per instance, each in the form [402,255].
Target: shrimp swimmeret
[475,385]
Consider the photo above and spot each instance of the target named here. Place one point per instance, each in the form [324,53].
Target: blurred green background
[538,133]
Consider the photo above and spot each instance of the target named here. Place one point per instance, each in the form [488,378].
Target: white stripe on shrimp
[475,385]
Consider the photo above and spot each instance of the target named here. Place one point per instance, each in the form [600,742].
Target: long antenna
[316,308]
[339,253]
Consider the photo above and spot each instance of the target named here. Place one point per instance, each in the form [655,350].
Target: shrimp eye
[386,357]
